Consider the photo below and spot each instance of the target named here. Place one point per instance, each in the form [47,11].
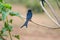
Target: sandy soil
[34,32]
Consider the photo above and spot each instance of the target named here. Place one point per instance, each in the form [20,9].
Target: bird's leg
[30,20]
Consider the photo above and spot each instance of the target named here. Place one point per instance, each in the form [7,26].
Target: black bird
[28,18]
[43,2]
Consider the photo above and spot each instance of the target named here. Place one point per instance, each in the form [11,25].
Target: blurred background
[33,4]
[35,32]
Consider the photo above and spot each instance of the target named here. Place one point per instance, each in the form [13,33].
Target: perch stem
[10,35]
[8,30]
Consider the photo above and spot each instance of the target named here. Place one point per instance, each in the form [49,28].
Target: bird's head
[29,10]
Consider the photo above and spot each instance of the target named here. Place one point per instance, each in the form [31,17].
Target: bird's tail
[25,24]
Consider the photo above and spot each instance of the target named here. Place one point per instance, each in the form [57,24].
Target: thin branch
[2,38]
[49,15]
[10,35]
[45,25]
[53,11]
[8,30]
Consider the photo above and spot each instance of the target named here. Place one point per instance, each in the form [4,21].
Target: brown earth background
[33,32]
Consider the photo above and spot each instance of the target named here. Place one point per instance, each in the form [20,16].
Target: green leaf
[1,39]
[11,21]
[7,26]
[15,14]
[0,19]
[7,6]
[4,15]
[1,7]
[1,0]
[17,36]
[3,30]
[10,28]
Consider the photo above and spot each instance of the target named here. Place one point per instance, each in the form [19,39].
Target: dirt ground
[34,32]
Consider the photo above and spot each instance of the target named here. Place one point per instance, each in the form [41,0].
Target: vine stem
[8,30]
[2,38]
[10,35]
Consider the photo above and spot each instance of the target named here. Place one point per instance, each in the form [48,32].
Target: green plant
[5,10]
[33,4]
[58,3]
